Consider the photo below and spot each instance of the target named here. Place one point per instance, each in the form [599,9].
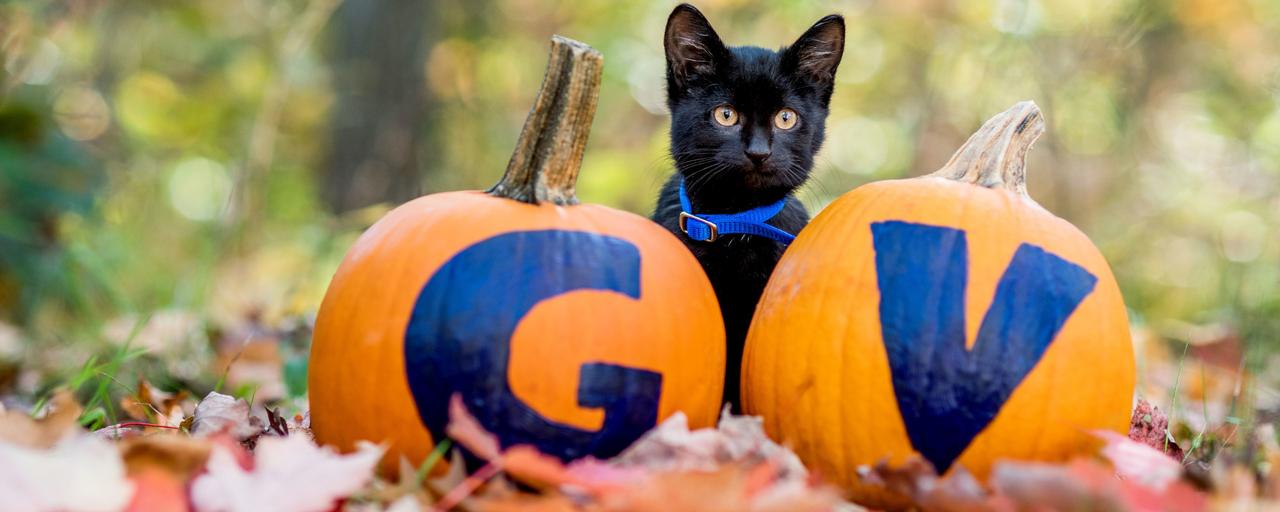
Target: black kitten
[745,125]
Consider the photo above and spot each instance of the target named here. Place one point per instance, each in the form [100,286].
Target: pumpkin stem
[996,155]
[548,154]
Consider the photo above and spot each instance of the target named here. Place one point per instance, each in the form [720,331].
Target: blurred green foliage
[163,155]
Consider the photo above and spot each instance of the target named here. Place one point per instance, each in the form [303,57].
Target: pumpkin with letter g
[948,316]
[574,328]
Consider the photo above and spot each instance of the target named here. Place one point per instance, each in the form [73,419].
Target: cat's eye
[785,119]
[725,115]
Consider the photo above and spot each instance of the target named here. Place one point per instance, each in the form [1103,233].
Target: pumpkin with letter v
[574,328]
[948,316]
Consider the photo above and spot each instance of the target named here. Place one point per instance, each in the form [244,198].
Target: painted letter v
[946,393]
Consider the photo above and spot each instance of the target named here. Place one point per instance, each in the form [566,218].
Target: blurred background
[179,180]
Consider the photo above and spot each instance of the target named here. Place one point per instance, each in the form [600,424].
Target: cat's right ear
[693,48]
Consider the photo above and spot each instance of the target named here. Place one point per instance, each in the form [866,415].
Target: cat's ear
[693,48]
[817,53]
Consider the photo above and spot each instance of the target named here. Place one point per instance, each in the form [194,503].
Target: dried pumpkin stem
[996,155]
[548,155]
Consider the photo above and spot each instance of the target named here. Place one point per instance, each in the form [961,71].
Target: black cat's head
[746,121]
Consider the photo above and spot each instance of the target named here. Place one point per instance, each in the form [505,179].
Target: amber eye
[725,115]
[785,119]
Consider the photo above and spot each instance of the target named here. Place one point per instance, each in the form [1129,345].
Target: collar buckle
[711,226]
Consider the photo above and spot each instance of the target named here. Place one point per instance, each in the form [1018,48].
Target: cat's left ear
[693,48]
[817,53]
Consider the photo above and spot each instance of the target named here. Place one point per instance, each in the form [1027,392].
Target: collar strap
[708,227]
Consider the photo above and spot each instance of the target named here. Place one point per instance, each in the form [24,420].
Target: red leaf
[1150,426]
[467,431]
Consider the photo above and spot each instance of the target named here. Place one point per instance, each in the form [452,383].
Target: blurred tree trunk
[379,121]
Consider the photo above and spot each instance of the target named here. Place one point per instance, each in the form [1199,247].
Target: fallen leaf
[451,479]
[290,474]
[176,454]
[21,429]
[1032,485]
[1139,462]
[671,446]
[223,413]
[530,503]
[1150,426]
[664,471]
[726,488]
[407,503]
[132,430]
[81,473]
[469,433]
[156,490]
[528,465]
[916,482]
[1085,484]
[601,474]
[157,406]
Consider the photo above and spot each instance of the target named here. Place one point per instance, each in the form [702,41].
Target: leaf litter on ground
[224,454]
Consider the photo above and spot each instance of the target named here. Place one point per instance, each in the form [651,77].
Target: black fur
[702,74]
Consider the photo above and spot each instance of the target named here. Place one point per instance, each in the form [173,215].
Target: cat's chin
[766,179]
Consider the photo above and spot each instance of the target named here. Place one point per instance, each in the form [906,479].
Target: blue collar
[709,227]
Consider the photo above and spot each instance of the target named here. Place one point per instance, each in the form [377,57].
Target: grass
[99,406]
[433,459]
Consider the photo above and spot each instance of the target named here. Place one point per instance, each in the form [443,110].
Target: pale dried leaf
[290,474]
[223,413]
[671,446]
[1139,462]
[81,473]
[406,503]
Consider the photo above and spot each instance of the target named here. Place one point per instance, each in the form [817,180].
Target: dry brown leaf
[456,474]
[153,405]
[177,454]
[915,482]
[21,429]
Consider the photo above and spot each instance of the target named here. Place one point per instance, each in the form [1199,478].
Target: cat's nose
[757,148]
[758,153]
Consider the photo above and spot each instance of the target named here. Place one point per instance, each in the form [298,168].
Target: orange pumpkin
[571,327]
[948,316]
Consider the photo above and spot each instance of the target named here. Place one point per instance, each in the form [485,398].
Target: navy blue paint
[946,393]
[459,339]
